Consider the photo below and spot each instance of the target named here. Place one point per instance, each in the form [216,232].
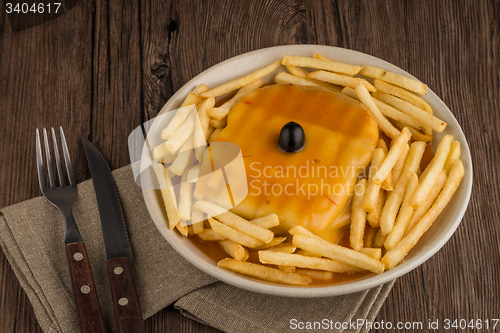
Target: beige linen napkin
[31,235]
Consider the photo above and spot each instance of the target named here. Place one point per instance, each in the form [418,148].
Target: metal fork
[63,197]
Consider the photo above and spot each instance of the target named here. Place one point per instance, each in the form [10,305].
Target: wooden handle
[87,303]
[125,298]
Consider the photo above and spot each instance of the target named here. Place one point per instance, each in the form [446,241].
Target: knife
[118,250]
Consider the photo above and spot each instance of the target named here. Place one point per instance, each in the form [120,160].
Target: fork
[63,197]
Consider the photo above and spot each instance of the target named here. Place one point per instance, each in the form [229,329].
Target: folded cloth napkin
[31,235]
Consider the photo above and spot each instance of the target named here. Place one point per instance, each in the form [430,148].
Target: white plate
[431,242]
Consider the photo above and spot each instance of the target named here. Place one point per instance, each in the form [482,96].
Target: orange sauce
[311,187]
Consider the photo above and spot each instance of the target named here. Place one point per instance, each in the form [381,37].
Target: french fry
[403,217]
[395,79]
[315,274]
[183,112]
[285,78]
[396,114]
[358,217]
[416,134]
[452,156]
[398,167]
[289,269]
[392,157]
[407,109]
[283,247]
[372,192]
[218,123]
[394,256]
[322,57]
[178,119]
[410,109]
[301,230]
[241,81]
[297,260]
[211,129]
[379,239]
[235,221]
[382,145]
[210,235]
[264,272]
[198,227]
[276,241]
[328,65]
[181,134]
[159,152]
[167,194]
[233,234]
[373,217]
[395,197]
[375,253]
[339,79]
[302,73]
[214,135]
[235,250]
[197,218]
[432,171]
[203,108]
[308,254]
[338,253]
[199,142]
[426,205]
[199,89]
[183,157]
[388,88]
[371,71]
[223,110]
[185,198]
[370,233]
[183,229]
[267,222]
[382,122]
[387,184]
[193,173]
[341,221]
[348,91]
[247,255]
[297,71]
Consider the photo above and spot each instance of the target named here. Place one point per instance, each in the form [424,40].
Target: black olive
[292,138]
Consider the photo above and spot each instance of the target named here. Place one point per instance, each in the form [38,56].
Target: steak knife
[118,250]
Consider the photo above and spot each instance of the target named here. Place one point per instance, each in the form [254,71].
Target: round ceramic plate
[430,243]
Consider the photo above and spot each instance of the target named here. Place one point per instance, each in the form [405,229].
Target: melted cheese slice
[311,187]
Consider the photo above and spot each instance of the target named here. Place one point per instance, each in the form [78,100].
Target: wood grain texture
[106,66]
[125,298]
[84,290]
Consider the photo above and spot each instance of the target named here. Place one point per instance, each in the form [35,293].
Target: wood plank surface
[104,67]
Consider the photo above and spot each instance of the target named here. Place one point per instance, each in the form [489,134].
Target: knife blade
[116,243]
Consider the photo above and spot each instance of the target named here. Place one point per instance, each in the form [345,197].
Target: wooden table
[105,67]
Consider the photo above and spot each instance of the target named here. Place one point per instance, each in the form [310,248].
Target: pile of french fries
[390,210]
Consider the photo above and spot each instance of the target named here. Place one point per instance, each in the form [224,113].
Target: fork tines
[40,164]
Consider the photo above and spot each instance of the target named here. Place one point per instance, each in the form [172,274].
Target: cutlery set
[117,246]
